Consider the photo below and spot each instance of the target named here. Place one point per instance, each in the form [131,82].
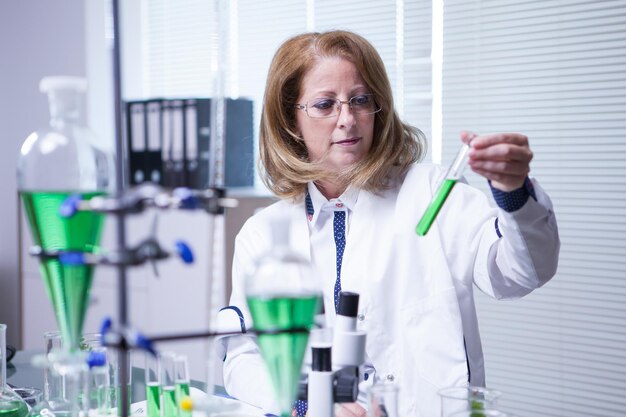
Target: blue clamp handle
[187,199]
[144,343]
[69,206]
[72,258]
[184,251]
[96,359]
[105,327]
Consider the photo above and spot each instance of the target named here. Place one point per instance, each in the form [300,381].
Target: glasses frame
[338,105]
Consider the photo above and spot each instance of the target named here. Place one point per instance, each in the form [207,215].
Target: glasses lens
[328,107]
[363,104]
[322,107]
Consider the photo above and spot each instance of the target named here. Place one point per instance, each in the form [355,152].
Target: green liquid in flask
[433,208]
[12,408]
[67,286]
[153,399]
[283,352]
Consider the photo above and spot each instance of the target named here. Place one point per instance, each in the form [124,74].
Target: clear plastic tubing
[452,176]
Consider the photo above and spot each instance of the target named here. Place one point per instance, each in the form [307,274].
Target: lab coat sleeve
[245,374]
[525,257]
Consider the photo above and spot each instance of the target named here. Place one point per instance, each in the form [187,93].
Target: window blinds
[177,57]
[556,71]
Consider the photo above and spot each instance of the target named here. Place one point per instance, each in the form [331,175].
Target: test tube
[168,385]
[153,386]
[452,176]
[181,374]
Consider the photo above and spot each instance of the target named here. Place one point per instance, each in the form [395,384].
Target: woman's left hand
[502,158]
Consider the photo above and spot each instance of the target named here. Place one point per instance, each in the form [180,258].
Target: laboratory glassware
[455,399]
[52,381]
[182,383]
[99,387]
[169,407]
[11,404]
[55,163]
[482,413]
[283,297]
[30,395]
[153,385]
[383,400]
[454,173]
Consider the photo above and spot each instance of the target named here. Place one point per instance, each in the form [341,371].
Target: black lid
[348,304]
[321,359]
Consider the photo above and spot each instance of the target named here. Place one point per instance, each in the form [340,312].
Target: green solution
[153,399]
[67,286]
[433,208]
[13,408]
[170,409]
[283,352]
[182,391]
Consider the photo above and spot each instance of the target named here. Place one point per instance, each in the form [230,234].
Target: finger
[485,141]
[502,152]
[506,167]
[467,136]
[506,182]
[349,410]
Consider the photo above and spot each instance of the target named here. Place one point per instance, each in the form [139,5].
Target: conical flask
[55,162]
[283,297]
[11,404]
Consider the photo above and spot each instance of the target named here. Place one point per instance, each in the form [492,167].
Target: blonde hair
[284,164]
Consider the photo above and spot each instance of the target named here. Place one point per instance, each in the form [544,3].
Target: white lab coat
[416,302]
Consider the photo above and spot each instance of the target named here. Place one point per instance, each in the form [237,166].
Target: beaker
[469,398]
[383,400]
[11,404]
[62,160]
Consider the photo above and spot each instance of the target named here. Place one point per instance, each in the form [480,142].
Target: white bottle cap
[61,82]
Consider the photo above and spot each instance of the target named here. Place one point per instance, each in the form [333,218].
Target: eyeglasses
[329,107]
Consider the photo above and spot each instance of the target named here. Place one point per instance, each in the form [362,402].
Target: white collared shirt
[322,248]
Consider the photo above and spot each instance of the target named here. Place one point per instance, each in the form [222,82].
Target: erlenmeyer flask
[54,163]
[11,404]
[283,297]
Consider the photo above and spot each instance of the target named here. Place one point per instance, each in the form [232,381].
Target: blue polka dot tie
[339,229]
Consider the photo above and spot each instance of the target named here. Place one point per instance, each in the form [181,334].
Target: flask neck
[64,107]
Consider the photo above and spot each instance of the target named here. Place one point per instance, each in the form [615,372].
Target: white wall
[37,38]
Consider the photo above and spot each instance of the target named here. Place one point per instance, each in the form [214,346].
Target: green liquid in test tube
[182,391]
[170,409]
[153,399]
[452,176]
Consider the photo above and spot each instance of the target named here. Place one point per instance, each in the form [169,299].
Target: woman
[346,169]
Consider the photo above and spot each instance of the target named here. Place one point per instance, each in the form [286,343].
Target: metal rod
[209,333]
[120,217]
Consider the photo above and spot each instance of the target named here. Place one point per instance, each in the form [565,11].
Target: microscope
[335,368]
